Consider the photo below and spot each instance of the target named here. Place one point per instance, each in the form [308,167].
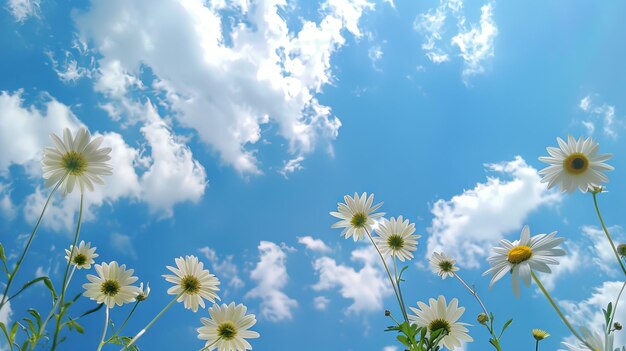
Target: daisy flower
[439,315]
[522,256]
[396,238]
[594,341]
[143,293]
[443,265]
[192,282]
[82,256]
[575,164]
[112,286]
[79,159]
[356,215]
[227,329]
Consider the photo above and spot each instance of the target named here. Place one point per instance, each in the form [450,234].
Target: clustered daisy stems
[143,331]
[556,308]
[30,240]
[62,308]
[54,306]
[594,193]
[393,284]
[123,323]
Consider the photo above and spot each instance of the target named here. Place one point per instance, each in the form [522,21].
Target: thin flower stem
[395,272]
[473,292]
[142,331]
[608,327]
[28,243]
[556,308]
[42,329]
[124,323]
[537,345]
[606,231]
[57,327]
[104,331]
[393,285]
[211,344]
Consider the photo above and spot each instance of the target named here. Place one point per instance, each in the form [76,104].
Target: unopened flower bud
[617,326]
[482,318]
[387,313]
[621,250]
[144,293]
[594,189]
[539,334]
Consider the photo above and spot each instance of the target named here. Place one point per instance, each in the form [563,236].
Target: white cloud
[568,264]
[431,24]
[68,70]
[224,267]
[390,348]
[22,9]
[476,43]
[7,208]
[390,3]
[604,113]
[467,225]
[366,287]
[315,245]
[5,314]
[375,54]
[292,166]
[271,276]
[320,302]
[200,76]
[123,244]
[600,249]
[588,312]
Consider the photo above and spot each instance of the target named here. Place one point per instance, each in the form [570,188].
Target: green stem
[28,243]
[393,285]
[57,327]
[123,324]
[395,272]
[606,231]
[151,322]
[473,292]
[211,344]
[556,308]
[104,331]
[537,345]
[608,327]
[42,329]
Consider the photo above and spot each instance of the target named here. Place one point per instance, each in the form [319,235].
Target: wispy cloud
[601,113]
[315,245]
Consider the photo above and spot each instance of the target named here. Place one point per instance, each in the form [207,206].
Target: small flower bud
[482,318]
[144,293]
[594,189]
[387,313]
[539,334]
[621,250]
[617,326]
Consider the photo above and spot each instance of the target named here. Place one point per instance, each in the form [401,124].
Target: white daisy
[594,341]
[193,282]
[438,315]
[112,285]
[80,158]
[395,238]
[143,293]
[356,215]
[443,265]
[227,329]
[522,256]
[82,256]
[575,164]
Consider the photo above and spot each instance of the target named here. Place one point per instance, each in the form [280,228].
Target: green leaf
[50,287]
[6,332]
[31,324]
[13,331]
[403,339]
[91,310]
[505,326]
[36,280]
[37,317]
[2,255]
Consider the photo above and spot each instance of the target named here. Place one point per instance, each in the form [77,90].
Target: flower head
[143,294]
[227,329]
[621,250]
[594,341]
[540,334]
[81,256]
[443,265]
[356,215]
[575,164]
[77,159]
[439,315]
[192,282]
[112,285]
[522,256]
[396,238]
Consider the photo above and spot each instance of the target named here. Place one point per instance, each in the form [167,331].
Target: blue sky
[237,126]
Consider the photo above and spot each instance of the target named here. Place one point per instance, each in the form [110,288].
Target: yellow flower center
[358,220]
[190,284]
[110,287]
[80,259]
[446,266]
[227,330]
[395,242]
[519,254]
[439,323]
[74,162]
[576,163]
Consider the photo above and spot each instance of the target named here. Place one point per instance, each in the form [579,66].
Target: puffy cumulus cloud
[475,43]
[201,68]
[600,248]
[588,312]
[366,287]
[467,225]
[5,313]
[223,267]
[315,245]
[602,113]
[271,277]
[23,9]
